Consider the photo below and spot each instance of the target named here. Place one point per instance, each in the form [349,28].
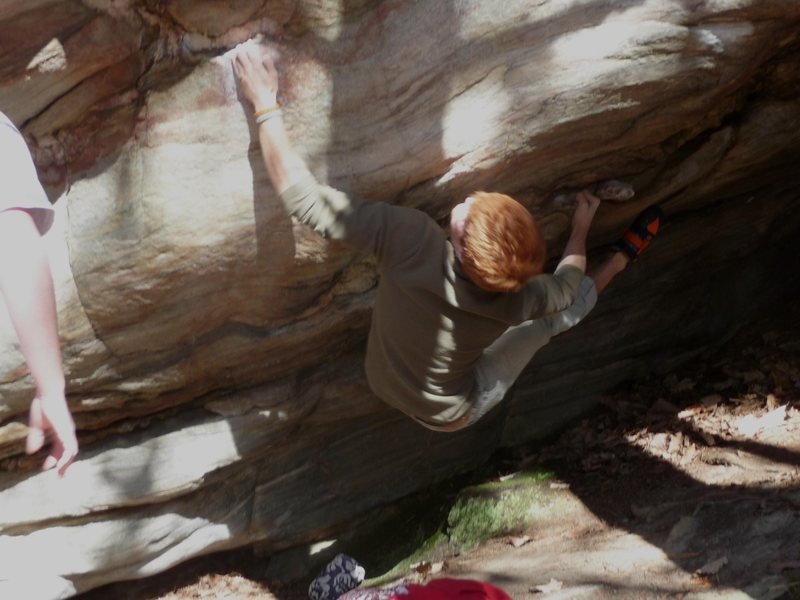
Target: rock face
[213,348]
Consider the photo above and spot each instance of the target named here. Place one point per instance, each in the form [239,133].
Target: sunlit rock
[213,348]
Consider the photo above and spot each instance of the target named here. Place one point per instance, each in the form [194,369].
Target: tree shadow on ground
[703,495]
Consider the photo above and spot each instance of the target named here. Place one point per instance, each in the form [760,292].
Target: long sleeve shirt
[430,323]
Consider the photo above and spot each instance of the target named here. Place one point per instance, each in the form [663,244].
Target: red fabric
[462,589]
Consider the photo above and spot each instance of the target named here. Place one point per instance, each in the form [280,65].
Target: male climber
[26,285]
[456,319]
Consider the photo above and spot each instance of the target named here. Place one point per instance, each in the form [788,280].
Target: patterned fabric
[341,575]
[376,594]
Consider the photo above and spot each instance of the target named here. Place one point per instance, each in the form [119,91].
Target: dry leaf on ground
[713,567]
[519,541]
[551,586]
[772,402]
[751,425]
[423,567]
[691,411]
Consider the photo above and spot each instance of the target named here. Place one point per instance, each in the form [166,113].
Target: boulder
[213,347]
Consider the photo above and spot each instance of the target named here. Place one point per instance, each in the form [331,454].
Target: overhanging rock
[213,348]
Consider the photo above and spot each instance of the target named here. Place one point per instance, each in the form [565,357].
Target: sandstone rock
[213,348]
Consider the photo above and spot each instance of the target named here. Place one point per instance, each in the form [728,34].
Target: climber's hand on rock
[50,412]
[257,76]
[585,209]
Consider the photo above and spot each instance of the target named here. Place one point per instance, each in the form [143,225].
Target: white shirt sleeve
[19,183]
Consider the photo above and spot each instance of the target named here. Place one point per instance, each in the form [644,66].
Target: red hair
[502,244]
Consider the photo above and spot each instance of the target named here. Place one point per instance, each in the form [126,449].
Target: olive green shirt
[430,323]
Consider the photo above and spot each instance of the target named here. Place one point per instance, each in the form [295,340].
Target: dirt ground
[685,487]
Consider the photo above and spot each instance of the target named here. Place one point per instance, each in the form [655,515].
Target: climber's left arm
[338,216]
[258,80]
[27,287]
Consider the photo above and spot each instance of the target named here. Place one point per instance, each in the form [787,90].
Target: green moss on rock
[497,508]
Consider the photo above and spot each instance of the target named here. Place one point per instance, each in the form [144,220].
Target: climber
[455,320]
[26,284]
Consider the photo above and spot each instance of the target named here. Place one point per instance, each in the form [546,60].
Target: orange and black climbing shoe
[641,232]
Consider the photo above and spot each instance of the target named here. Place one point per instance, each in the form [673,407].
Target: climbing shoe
[641,232]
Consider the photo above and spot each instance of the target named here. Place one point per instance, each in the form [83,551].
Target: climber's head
[497,241]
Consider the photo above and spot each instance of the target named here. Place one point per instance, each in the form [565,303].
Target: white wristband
[266,117]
